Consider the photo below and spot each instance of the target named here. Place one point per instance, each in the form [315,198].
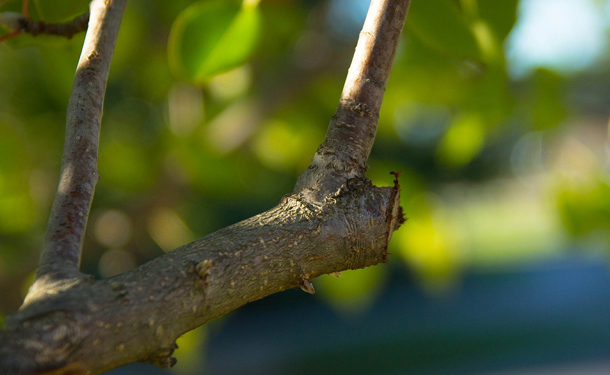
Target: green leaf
[439,24]
[584,207]
[354,291]
[212,37]
[499,15]
[547,106]
[463,141]
[60,11]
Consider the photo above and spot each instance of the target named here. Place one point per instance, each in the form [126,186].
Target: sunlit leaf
[281,146]
[585,209]
[438,24]
[463,141]
[192,345]
[354,291]
[212,37]
[429,247]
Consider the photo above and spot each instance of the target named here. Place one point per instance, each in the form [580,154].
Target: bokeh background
[496,113]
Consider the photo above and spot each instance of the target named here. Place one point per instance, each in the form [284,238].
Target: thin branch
[352,129]
[22,23]
[9,35]
[67,29]
[63,241]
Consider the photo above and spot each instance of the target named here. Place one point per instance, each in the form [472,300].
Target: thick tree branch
[96,326]
[335,220]
[352,129]
[65,231]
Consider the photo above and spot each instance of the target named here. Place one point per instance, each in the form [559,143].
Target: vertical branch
[65,230]
[351,131]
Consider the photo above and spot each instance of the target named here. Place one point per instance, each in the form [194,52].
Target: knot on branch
[379,84]
[307,286]
[351,185]
[359,108]
[298,205]
[163,357]
[203,270]
[119,288]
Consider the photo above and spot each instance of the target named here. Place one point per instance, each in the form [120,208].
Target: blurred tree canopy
[214,107]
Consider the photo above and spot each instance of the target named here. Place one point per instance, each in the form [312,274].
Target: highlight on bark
[334,220]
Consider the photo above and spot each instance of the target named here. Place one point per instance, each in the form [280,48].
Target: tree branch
[138,315]
[65,230]
[22,23]
[352,129]
[87,326]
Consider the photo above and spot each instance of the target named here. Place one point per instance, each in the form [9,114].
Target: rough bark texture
[335,220]
[63,241]
[352,129]
[138,315]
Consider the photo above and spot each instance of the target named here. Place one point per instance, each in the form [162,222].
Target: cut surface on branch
[138,315]
[336,220]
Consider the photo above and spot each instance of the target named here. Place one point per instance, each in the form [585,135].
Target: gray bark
[335,220]
[65,230]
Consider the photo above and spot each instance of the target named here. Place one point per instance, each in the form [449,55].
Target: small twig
[66,227]
[22,23]
[25,9]
[9,35]
[352,129]
[67,29]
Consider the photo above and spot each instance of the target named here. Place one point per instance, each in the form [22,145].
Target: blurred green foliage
[58,11]
[214,108]
[456,38]
[585,208]
[211,37]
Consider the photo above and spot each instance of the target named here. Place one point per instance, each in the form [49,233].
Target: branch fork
[334,220]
